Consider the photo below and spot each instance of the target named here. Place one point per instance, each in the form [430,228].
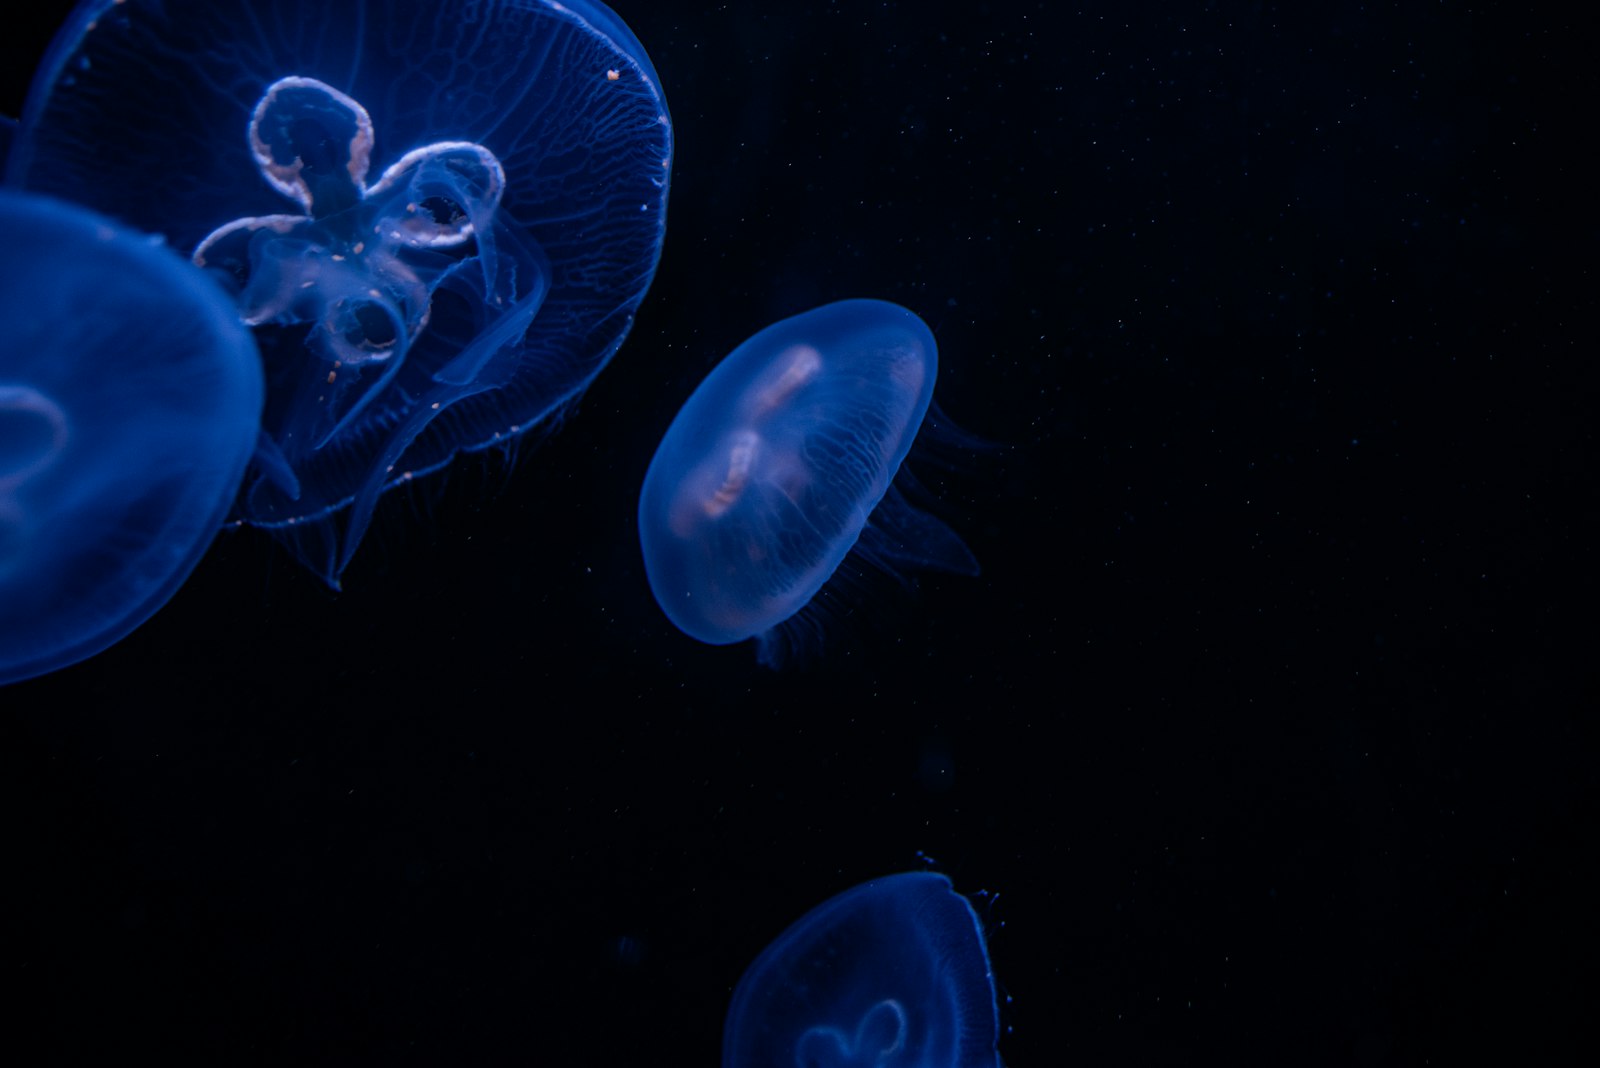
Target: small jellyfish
[781,462]
[893,973]
[130,397]
[438,216]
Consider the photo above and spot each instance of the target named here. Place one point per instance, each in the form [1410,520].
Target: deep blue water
[1254,742]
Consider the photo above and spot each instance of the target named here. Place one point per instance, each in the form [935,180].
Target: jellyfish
[130,394]
[781,462]
[893,973]
[437,216]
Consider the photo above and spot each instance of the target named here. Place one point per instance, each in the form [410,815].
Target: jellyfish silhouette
[893,973]
[129,399]
[439,217]
[781,462]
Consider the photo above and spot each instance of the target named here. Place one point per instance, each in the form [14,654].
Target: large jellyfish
[438,216]
[129,400]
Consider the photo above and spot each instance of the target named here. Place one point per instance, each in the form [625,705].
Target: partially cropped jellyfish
[129,400]
[438,216]
[782,462]
[891,974]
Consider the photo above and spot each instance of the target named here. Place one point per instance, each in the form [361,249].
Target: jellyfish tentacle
[359,270]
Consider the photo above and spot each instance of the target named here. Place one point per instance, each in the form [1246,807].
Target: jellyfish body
[129,400]
[438,217]
[772,469]
[891,974]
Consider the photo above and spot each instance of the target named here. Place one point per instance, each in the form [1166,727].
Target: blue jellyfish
[893,973]
[438,216]
[129,399]
[782,461]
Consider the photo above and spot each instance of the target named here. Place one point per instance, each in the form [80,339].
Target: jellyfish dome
[438,216]
[893,973]
[775,465]
[129,400]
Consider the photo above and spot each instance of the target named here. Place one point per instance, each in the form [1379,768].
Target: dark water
[1265,731]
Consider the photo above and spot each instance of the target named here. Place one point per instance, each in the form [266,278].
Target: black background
[1264,736]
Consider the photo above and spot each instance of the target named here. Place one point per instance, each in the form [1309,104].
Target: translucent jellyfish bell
[130,395]
[893,973]
[781,462]
[438,217]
